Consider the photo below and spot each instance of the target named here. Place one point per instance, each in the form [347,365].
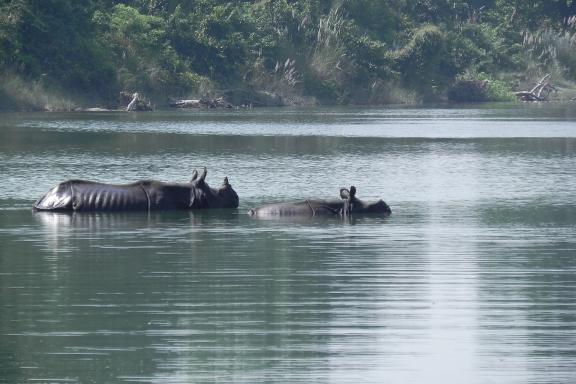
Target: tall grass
[30,95]
[552,51]
[328,55]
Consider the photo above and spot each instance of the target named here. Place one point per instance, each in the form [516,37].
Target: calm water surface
[471,280]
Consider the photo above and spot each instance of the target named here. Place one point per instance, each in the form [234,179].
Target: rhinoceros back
[307,207]
[80,195]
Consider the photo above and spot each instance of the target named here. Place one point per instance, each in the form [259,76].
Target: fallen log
[134,102]
[191,103]
[132,105]
[540,92]
[206,103]
[527,96]
[95,109]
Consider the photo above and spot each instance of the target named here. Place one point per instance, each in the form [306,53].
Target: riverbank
[17,95]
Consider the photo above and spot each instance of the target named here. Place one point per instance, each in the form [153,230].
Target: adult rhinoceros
[143,195]
[349,204]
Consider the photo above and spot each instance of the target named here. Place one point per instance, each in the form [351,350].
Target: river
[471,280]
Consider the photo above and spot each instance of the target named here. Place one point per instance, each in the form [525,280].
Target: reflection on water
[471,280]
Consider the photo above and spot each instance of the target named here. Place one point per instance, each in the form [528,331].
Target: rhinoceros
[348,205]
[143,195]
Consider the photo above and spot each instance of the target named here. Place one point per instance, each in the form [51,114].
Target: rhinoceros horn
[194,176]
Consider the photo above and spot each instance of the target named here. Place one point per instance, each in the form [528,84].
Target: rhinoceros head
[202,196]
[228,195]
[352,204]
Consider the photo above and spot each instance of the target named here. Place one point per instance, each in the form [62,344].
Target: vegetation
[299,51]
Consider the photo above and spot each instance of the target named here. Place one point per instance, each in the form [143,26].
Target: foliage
[424,62]
[336,51]
[553,50]
[468,90]
[139,48]
[19,94]
[478,87]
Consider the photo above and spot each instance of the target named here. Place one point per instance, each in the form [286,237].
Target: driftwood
[247,98]
[205,103]
[127,102]
[539,93]
[134,102]
[191,103]
[233,98]
[132,105]
[95,109]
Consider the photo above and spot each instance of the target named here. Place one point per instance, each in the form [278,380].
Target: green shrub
[478,88]
[468,90]
[423,63]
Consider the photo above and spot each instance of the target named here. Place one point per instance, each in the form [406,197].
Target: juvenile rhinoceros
[348,205]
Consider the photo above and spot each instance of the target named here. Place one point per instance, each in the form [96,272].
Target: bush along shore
[70,55]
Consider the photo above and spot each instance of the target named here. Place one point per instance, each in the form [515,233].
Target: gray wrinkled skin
[144,195]
[347,206]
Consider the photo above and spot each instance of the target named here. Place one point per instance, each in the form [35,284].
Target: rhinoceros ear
[352,192]
[346,194]
[225,183]
[194,176]
[203,175]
